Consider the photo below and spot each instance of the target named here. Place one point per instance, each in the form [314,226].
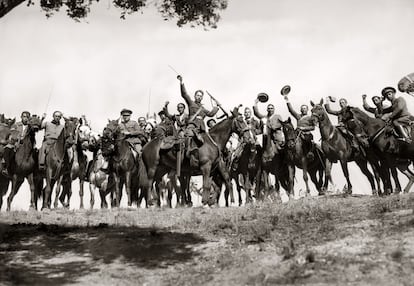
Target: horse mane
[220,125]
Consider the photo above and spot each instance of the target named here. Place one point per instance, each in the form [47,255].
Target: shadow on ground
[52,254]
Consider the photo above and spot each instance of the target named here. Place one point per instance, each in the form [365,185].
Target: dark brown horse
[77,170]
[24,162]
[391,152]
[337,148]
[297,151]
[57,161]
[125,168]
[163,161]
[4,136]
[272,162]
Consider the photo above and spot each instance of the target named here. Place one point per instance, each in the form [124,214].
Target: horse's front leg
[15,187]
[205,170]
[58,185]
[128,187]
[33,198]
[291,189]
[226,176]
[305,174]
[345,170]
[118,190]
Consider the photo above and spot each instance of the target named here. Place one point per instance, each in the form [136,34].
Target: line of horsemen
[189,128]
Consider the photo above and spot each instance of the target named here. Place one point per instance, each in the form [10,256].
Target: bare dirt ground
[332,240]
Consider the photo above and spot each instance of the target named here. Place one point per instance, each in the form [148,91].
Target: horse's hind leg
[410,175]
[396,180]
[58,186]
[345,170]
[364,168]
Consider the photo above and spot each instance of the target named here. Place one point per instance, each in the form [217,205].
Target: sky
[103,64]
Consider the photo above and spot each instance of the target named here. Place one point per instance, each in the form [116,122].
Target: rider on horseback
[179,119]
[400,116]
[131,129]
[195,125]
[12,144]
[250,128]
[356,141]
[305,124]
[52,132]
[272,124]
[378,110]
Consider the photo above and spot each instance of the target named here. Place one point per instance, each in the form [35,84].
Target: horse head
[9,121]
[34,123]
[317,111]
[289,133]
[109,135]
[70,131]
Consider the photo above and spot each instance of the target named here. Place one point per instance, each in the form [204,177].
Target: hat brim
[263,97]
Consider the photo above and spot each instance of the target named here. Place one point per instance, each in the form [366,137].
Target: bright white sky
[103,64]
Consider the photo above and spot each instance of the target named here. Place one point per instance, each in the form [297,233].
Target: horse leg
[13,192]
[305,175]
[205,170]
[344,166]
[291,189]
[67,187]
[81,194]
[396,180]
[48,189]
[410,176]
[33,198]
[362,164]
[226,176]
[58,186]
[128,187]
[328,174]
[315,181]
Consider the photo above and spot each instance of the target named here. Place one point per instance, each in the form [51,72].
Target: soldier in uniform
[378,110]
[250,127]
[180,119]
[132,130]
[343,103]
[196,113]
[52,132]
[305,124]
[272,123]
[10,148]
[399,114]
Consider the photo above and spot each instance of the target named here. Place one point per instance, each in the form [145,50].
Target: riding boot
[403,134]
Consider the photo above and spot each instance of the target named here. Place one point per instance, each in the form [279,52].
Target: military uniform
[135,131]
[305,124]
[52,132]
[272,124]
[196,114]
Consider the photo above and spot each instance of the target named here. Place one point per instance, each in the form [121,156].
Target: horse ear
[321,102]
[109,120]
[289,120]
[312,104]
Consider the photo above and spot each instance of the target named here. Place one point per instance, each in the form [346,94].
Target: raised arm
[184,93]
[366,106]
[256,111]
[167,113]
[329,110]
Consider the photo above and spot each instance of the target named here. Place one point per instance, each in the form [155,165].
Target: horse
[337,148]
[249,169]
[272,162]
[401,156]
[78,166]
[159,161]
[57,161]
[297,156]
[4,135]
[24,162]
[125,168]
